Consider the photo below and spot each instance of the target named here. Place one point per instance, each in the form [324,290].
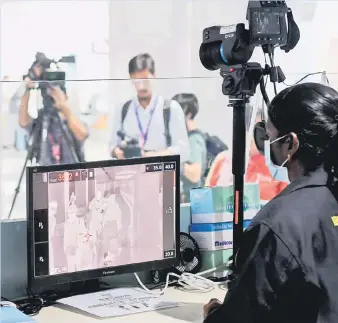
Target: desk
[190,311]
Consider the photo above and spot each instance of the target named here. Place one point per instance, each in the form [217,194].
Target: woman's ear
[293,143]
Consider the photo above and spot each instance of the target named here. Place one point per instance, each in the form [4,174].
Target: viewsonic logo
[110,272]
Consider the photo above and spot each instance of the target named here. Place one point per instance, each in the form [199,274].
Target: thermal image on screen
[88,219]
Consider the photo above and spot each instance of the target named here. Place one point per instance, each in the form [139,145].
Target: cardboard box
[215,205]
[214,236]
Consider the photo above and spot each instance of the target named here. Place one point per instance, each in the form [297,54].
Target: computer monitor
[92,220]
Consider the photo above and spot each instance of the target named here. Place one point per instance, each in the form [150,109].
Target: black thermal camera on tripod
[271,24]
[229,48]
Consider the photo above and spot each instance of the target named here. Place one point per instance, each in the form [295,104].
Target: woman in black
[287,266]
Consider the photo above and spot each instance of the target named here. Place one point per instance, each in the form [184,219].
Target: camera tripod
[239,83]
[37,144]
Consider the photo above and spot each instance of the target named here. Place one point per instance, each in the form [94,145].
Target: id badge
[56,152]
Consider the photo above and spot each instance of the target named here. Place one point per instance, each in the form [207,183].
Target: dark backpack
[166,118]
[214,146]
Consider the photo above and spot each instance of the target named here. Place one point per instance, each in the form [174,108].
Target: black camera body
[130,146]
[234,44]
[49,76]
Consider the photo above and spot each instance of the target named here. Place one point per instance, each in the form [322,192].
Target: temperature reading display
[169,254]
[169,166]
[154,168]
[66,176]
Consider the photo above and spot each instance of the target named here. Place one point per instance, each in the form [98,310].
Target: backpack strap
[166,118]
[197,131]
[125,110]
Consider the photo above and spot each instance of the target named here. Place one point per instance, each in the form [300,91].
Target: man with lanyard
[157,124]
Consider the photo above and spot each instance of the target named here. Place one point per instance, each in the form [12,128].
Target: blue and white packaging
[215,205]
[214,236]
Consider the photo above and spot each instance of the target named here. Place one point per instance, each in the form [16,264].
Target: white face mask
[279,173]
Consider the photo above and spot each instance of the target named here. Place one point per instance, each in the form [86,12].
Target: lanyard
[56,149]
[145,133]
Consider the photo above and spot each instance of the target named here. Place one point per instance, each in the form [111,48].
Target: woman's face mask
[263,144]
[279,173]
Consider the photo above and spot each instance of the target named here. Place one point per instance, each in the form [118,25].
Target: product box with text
[215,205]
[214,236]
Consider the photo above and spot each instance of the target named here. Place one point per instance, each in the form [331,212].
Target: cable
[189,282]
[32,304]
[306,76]
[272,63]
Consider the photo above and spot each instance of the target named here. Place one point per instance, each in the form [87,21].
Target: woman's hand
[213,304]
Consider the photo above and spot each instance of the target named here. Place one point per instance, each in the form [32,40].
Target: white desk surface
[190,311]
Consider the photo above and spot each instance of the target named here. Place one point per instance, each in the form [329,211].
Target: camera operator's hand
[59,97]
[37,70]
[118,153]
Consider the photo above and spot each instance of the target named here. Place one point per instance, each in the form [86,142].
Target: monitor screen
[266,23]
[102,218]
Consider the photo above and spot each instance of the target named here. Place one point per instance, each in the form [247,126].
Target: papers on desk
[118,302]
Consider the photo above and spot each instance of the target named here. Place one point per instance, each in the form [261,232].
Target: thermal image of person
[86,245]
[111,257]
[72,199]
[96,229]
[96,207]
[71,238]
[111,225]
[52,209]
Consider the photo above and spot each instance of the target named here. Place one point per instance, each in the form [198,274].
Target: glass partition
[96,106]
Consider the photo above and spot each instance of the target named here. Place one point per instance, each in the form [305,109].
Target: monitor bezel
[38,283]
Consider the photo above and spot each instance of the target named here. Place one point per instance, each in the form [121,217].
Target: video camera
[130,146]
[50,75]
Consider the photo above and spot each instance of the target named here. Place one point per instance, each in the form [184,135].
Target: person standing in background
[58,150]
[220,173]
[158,125]
[194,168]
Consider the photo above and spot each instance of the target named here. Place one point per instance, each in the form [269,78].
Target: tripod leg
[29,156]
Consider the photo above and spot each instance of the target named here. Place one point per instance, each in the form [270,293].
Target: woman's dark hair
[140,63]
[188,102]
[310,110]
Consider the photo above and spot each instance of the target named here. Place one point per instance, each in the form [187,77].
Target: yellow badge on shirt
[335,220]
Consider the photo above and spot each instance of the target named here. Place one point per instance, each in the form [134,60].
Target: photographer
[195,167]
[58,150]
[155,124]
[286,266]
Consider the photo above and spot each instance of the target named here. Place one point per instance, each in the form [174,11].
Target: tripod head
[240,81]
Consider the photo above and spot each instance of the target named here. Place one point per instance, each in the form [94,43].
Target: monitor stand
[86,287]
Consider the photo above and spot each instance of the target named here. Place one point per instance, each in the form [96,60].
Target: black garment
[55,137]
[288,260]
